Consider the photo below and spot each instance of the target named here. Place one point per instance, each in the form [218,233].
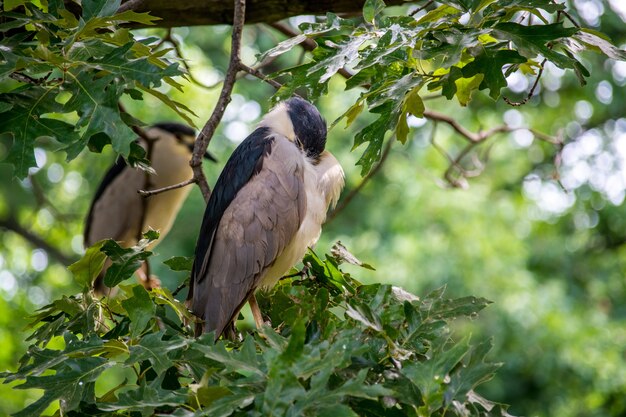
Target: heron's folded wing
[254,229]
[115,212]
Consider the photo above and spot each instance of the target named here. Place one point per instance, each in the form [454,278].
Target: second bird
[266,209]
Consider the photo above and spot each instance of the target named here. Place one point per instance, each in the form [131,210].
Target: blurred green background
[547,246]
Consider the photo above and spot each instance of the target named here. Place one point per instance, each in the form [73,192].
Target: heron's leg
[148,281]
[256,311]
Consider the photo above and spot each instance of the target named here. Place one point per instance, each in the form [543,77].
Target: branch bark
[234,65]
[218,12]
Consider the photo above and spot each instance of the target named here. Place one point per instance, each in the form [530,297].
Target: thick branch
[205,136]
[216,12]
[11,224]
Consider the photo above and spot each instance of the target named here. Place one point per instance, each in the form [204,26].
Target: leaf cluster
[63,72]
[454,49]
[336,348]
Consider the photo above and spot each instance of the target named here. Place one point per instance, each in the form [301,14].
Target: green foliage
[337,348]
[454,49]
[556,276]
[62,76]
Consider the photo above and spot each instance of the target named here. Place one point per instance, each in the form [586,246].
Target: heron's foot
[256,313]
[150,283]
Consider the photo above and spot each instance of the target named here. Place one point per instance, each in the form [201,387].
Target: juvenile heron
[266,209]
[118,211]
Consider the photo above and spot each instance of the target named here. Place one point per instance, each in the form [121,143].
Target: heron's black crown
[308,125]
[176,129]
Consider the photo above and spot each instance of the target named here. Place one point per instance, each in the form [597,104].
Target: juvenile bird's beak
[206,155]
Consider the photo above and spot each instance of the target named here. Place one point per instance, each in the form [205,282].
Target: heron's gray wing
[115,212]
[254,229]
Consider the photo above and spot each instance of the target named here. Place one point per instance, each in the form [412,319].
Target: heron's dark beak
[210,157]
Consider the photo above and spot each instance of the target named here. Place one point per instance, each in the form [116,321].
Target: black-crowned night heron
[266,209]
[118,211]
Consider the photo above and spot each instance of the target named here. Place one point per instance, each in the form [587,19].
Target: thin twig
[462,130]
[569,17]
[10,223]
[345,201]
[177,48]
[138,130]
[149,193]
[256,73]
[419,9]
[205,136]
[531,93]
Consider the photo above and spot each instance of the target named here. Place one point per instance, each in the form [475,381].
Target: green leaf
[533,40]
[489,64]
[596,42]
[371,9]
[25,124]
[125,261]
[140,310]
[336,410]
[89,266]
[180,263]
[447,46]
[345,54]
[437,13]
[283,47]
[431,376]
[155,349]
[72,383]
[146,398]
[94,8]
[466,86]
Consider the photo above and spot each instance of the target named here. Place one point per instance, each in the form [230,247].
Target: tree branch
[256,73]
[219,12]
[149,193]
[531,93]
[205,136]
[10,223]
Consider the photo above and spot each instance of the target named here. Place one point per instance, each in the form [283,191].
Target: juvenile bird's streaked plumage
[266,209]
[117,209]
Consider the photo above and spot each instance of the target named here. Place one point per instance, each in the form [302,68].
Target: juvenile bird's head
[181,137]
[300,122]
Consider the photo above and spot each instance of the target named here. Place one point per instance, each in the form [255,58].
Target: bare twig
[419,9]
[350,196]
[10,223]
[256,73]
[138,130]
[149,193]
[531,93]
[205,136]
[568,16]
[462,130]
[169,38]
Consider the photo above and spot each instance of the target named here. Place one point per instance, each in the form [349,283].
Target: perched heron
[266,209]
[118,211]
